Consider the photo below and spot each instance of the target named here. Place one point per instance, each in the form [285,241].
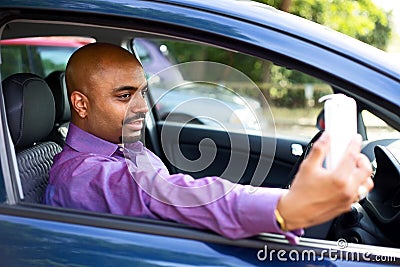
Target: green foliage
[186,52]
[360,19]
[49,66]
[293,96]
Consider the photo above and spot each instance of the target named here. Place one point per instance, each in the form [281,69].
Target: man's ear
[79,103]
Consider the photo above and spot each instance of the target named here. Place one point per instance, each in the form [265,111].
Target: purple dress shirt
[93,174]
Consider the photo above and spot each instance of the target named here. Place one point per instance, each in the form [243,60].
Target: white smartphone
[340,114]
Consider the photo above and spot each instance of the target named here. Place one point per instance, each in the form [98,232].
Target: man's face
[119,90]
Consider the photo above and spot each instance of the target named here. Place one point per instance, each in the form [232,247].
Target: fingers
[364,167]
[363,162]
[360,180]
[319,150]
[355,170]
[369,184]
[364,174]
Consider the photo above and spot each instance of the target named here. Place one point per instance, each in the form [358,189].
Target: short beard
[135,136]
[130,139]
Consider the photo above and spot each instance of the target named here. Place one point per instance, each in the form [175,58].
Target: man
[91,172]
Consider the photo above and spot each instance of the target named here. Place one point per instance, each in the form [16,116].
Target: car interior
[38,113]
[29,123]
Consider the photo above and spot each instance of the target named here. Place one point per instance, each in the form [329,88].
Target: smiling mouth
[135,122]
[135,125]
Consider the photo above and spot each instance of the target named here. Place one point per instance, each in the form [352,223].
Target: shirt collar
[85,142]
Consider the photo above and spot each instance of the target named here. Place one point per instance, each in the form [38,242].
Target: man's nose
[139,104]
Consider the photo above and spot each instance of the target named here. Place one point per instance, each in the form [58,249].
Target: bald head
[90,62]
[102,80]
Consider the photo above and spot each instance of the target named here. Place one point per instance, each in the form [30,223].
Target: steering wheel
[383,202]
[305,153]
[375,219]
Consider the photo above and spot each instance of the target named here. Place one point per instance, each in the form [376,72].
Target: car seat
[56,82]
[30,114]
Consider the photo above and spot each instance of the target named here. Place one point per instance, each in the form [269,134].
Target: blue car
[270,48]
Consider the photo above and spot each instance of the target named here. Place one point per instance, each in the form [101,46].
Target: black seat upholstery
[30,114]
[56,81]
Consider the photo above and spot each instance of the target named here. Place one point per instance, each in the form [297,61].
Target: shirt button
[121,149]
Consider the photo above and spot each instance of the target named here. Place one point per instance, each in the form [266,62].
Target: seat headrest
[56,81]
[29,107]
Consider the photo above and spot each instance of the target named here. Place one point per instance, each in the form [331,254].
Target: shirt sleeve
[241,212]
[232,210]
[143,187]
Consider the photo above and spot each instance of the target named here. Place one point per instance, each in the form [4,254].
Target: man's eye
[125,96]
[144,91]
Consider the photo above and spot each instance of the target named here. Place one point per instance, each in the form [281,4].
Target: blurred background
[393,9]
[375,22]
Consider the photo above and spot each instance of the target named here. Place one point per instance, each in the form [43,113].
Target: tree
[285,5]
[361,19]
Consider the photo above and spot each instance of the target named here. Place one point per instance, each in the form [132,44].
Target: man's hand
[317,194]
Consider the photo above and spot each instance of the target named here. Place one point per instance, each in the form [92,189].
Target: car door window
[376,128]
[290,95]
[19,55]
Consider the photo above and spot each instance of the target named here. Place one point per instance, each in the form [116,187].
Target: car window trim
[175,230]
[8,158]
